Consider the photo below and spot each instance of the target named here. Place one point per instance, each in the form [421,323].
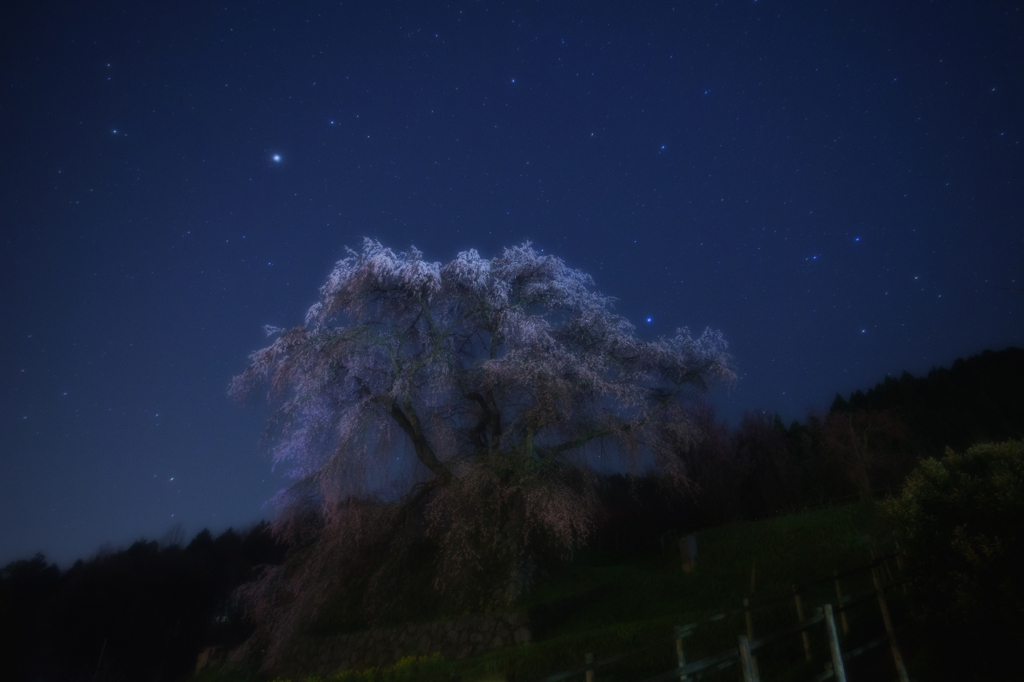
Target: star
[277,158]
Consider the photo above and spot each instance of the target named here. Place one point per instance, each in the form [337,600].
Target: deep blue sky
[835,185]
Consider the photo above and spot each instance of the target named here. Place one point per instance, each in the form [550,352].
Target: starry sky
[837,186]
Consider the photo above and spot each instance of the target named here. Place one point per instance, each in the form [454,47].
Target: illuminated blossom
[494,375]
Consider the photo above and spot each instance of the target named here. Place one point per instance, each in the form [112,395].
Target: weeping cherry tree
[493,377]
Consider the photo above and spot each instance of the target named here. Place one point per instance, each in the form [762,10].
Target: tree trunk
[521,565]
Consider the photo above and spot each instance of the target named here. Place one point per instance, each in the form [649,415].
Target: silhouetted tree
[706,457]
[140,613]
[822,479]
[26,587]
[766,476]
[867,443]
[980,399]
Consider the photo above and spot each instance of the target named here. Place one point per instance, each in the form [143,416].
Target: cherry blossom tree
[493,376]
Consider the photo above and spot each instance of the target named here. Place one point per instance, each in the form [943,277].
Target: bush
[960,524]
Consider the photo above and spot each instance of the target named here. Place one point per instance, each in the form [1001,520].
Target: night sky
[837,186]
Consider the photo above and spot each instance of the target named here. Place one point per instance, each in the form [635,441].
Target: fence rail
[743,652]
[747,644]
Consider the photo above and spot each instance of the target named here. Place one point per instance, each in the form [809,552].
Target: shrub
[960,524]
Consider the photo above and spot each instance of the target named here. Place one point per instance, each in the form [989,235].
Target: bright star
[277,158]
[649,319]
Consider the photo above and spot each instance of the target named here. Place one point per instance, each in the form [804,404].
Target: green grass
[647,596]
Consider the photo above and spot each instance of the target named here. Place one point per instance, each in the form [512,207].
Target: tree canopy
[494,374]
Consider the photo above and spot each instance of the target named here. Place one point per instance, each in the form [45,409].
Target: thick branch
[410,423]
[413,499]
[478,435]
[491,418]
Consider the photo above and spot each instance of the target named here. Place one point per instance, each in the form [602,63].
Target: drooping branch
[478,434]
[412,500]
[487,432]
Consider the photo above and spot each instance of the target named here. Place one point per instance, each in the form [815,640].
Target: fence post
[839,602]
[749,675]
[750,632]
[833,644]
[884,562]
[102,649]
[896,656]
[588,659]
[687,549]
[680,657]
[800,617]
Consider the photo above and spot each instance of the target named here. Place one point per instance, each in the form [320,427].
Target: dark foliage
[960,525]
[141,613]
[863,447]
[25,587]
[759,470]
[636,513]
[977,400]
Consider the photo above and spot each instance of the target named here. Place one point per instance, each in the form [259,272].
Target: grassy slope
[647,596]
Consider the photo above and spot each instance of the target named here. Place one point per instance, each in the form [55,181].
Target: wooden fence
[747,645]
